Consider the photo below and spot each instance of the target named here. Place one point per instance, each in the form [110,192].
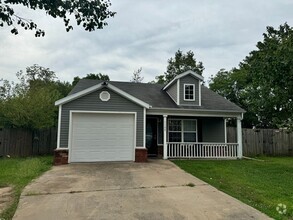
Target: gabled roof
[155,97]
[97,86]
[188,72]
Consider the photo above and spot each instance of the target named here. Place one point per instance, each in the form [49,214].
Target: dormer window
[185,89]
[189,92]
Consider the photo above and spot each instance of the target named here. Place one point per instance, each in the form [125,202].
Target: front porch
[191,137]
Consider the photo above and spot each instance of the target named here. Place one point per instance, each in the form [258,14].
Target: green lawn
[18,172]
[262,185]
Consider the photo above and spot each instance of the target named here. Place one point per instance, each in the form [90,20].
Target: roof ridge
[144,83]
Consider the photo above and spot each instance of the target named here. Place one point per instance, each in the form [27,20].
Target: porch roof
[155,96]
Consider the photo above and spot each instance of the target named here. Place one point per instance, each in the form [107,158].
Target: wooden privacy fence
[25,142]
[272,142]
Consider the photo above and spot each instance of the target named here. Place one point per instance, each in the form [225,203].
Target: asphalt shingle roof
[157,98]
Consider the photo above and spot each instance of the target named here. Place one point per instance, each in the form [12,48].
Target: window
[105,96]
[175,129]
[182,130]
[189,92]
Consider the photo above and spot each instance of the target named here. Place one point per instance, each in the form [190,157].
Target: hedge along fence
[25,142]
[272,142]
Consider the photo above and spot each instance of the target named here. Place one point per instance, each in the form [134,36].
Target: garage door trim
[71,112]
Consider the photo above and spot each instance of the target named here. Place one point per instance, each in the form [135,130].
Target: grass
[17,173]
[260,184]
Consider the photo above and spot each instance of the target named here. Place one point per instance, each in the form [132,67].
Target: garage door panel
[101,156]
[103,140]
[102,137]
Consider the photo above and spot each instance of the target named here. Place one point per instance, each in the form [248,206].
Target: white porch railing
[202,150]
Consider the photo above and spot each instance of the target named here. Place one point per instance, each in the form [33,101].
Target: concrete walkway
[154,190]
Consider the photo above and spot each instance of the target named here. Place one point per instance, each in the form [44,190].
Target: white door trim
[98,112]
[59,126]
[144,127]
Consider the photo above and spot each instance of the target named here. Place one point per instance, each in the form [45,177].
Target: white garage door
[102,137]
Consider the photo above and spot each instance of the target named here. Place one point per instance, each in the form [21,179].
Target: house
[124,121]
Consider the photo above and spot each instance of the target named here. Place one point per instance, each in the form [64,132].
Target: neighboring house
[124,121]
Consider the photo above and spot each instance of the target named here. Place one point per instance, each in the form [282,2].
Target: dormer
[185,89]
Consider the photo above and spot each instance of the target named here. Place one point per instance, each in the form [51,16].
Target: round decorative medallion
[104,96]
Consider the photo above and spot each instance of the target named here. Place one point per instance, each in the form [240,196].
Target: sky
[144,34]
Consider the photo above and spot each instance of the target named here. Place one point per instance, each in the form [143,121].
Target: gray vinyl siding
[213,130]
[189,80]
[172,91]
[92,102]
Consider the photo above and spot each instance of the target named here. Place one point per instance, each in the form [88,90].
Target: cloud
[145,34]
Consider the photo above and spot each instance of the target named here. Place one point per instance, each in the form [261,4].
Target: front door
[151,136]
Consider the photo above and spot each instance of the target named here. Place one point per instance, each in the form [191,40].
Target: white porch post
[225,129]
[165,137]
[239,137]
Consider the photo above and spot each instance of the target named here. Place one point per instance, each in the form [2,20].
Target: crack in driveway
[114,189]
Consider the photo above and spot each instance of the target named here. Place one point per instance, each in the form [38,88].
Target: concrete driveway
[154,190]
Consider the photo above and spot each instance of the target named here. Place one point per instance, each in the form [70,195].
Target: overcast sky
[145,34]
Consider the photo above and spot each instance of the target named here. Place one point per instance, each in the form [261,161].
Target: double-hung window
[182,130]
[189,92]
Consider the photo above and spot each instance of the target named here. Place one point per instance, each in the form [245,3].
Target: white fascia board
[78,94]
[178,92]
[182,75]
[240,113]
[96,87]
[193,112]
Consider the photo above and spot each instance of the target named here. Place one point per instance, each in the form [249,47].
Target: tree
[266,90]
[179,64]
[98,76]
[33,110]
[30,102]
[232,85]
[5,89]
[271,71]
[90,14]
[136,77]
[160,79]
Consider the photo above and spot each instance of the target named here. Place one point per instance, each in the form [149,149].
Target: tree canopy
[30,102]
[98,76]
[91,15]
[263,82]
[179,64]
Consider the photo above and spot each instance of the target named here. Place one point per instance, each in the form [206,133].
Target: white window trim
[182,128]
[193,85]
